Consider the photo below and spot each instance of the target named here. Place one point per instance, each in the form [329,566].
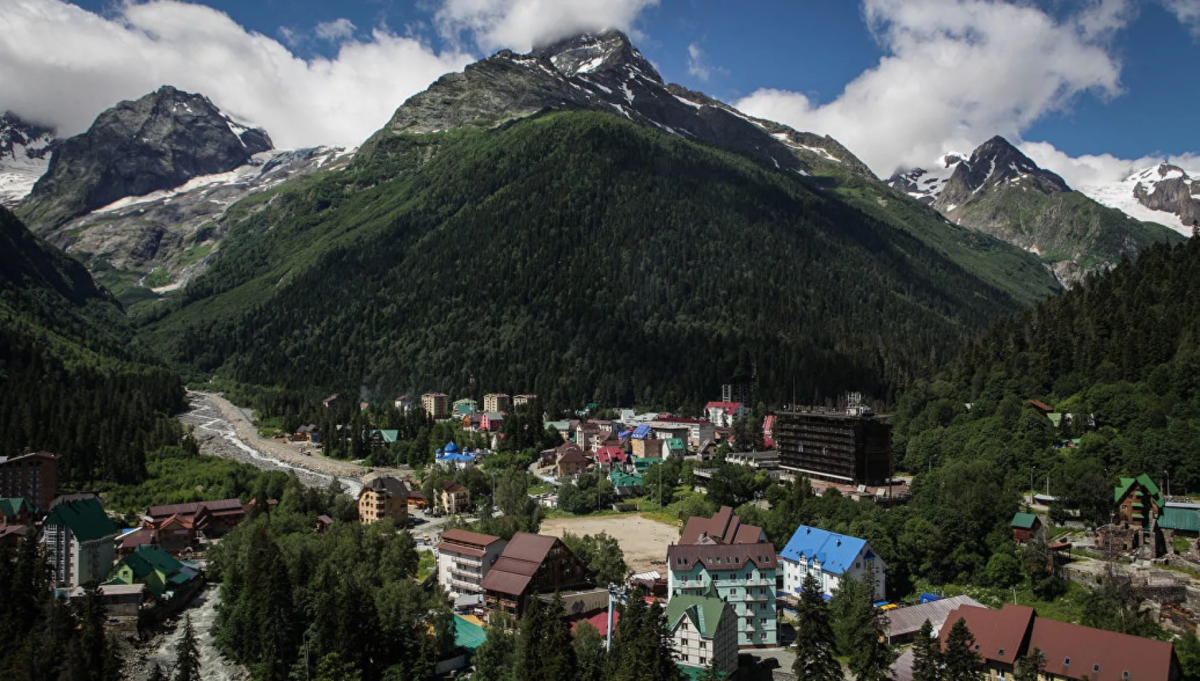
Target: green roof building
[15,511]
[153,567]
[703,631]
[676,447]
[78,537]
[1139,501]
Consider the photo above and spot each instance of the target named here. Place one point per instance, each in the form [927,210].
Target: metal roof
[902,621]
[1185,519]
[1024,521]
[835,552]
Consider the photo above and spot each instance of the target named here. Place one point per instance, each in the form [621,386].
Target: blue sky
[1102,80]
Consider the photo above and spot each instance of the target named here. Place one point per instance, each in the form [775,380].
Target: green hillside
[1117,356]
[68,381]
[574,255]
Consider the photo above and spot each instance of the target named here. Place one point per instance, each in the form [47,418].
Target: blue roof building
[830,557]
[642,432]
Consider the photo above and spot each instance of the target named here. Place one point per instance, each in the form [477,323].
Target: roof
[388,436]
[518,563]
[1185,519]
[902,621]
[112,590]
[835,552]
[704,612]
[387,485]
[494,416]
[607,454]
[676,443]
[14,506]
[643,463]
[720,557]
[1144,480]
[325,519]
[622,479]
[469,538]
[642,432]
[85,517]
[573,456]
[331,398]
[998,633]
[467,634]
[727,407]
[193,508]
[453,487]
[724,527]
[599,621]
[1088,648]
[1040,406]
[147,559]
[1024,521]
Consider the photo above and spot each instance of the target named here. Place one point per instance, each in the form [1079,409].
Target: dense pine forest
[1117,356]
[70,382]
[577,256]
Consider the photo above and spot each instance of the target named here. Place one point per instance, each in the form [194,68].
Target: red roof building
[1072,651]
[725,527]
[530,564]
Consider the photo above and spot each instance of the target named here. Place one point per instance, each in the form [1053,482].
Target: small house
[491,421]
[1026,526]
[1139,501]
[154,568]
[15,511]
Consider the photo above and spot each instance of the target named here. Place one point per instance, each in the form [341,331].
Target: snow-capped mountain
[147,186]
[1000,191]
[25,151]
[1164,193]
[604,72]
[926,185]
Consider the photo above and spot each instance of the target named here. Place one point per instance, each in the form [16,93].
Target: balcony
[472,562]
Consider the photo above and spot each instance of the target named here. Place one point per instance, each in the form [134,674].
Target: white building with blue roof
[830,557]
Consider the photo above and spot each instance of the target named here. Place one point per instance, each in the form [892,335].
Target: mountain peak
[159,141]
[590,52]
[995,163]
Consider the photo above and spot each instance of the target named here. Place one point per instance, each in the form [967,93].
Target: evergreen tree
[960,661]
[1031,666]
[187,654]
[544,651]
[156,674]
[711,673]
[927,655]
[589,652]
[494,658]
[814,637]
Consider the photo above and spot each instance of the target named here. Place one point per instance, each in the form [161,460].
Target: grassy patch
[158,278]
[1068,608]
[193,255]
[426,565]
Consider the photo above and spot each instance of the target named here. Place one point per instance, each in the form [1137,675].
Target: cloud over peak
[956,72]
[522,25]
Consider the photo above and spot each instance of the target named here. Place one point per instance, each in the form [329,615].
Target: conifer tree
[494,658]
[927,655]
[960,661]
[814,637]
[1031,666]
[589,652]
[156,674]
[187,654]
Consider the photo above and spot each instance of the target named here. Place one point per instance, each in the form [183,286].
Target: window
[703,661]
[703,645]
[857,565]
[1067,662]
[1095,668]
[762,621]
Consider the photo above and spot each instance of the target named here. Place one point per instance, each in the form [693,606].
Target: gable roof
[608,454]
[1040,406]
[388,436]
[676,444]
[85,517]
[469,538]
[1123,488]
[623,479]
[14,506]
[724,527]
[998,633]
[518,563]
[835,552]
[1114,654]
[387,485]
[146,559]
[573,456]
[721,557]
[193,508]
[902,621]
[1024,521]
[705,613]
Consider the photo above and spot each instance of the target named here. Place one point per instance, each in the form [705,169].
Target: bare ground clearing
[643,540]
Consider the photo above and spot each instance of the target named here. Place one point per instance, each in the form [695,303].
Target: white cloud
[956,72]
[1188,13]
[62,65]
[523,24]
[336,31]
[1101,169]
[695,63]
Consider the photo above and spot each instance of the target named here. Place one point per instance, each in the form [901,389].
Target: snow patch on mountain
[926,185]
[1123,195]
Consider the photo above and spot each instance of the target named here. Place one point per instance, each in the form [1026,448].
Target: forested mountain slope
[1120,350]
[68,383]
[575,255]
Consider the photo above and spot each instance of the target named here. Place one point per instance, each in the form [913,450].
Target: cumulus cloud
[523,24]
[956,72]
[1100,169]
[336,31]
[62,65]
[1188,13]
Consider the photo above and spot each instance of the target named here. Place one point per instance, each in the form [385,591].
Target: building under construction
[849,446]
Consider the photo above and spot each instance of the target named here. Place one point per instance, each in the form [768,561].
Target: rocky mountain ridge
[158,142]
[25,150]
[604,72]
[999,191]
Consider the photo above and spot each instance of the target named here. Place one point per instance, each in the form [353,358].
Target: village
[731,596]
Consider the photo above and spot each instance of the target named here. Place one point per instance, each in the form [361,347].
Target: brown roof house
[214,518]
[455,498]
[1072,651]
[571,461]
[725,527]
[381,498]
[464,559]
[529,565]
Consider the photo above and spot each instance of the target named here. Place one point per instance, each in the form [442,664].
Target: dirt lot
[643,540]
